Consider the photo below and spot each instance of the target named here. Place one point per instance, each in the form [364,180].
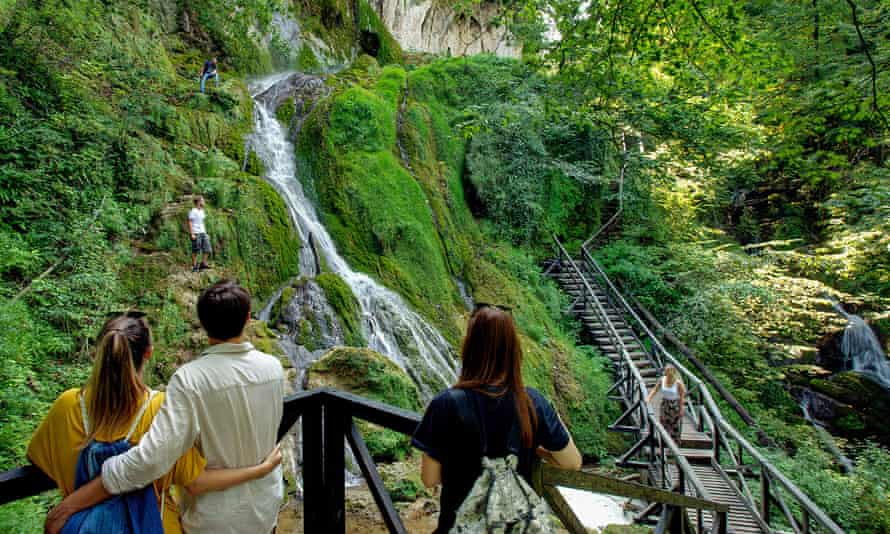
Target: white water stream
[390,326]
[862,348]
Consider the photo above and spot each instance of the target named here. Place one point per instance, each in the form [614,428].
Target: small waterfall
[812,403]
[390,326]
[862,349]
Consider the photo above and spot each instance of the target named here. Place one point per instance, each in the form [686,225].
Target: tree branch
[854,10]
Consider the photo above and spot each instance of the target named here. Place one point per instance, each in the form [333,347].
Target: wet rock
[370,374]
[849,403]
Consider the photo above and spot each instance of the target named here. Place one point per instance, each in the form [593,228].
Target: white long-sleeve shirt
[230,402]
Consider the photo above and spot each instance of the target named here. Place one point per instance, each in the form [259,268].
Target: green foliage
[369,23]
[103,137]
[405,490]
[306,61]
[371,375]
[344,303]
[857,501]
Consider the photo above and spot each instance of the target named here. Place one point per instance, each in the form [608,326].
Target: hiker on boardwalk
[113,411]
[230,401]
[488,414]
[198,233]
[673,398]
[209,71]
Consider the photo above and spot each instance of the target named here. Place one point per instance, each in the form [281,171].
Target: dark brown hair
[492,356]
[115,390]
[223,309]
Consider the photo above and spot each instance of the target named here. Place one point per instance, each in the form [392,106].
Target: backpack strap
[140,413]
[83,412]
[86,418]
[468,413]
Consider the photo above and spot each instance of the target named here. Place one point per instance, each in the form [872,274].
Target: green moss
[345,305]
[367,373]
[306,60]
[369,23]
[405,490]
[285,112]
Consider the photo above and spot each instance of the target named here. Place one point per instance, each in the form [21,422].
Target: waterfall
[862,349]
[390,326]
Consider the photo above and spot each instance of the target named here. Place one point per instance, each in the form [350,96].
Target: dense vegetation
[755,136]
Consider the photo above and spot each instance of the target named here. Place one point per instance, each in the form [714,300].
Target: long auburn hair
[492,356]
[115,389]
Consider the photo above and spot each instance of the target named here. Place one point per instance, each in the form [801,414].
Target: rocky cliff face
[432,26]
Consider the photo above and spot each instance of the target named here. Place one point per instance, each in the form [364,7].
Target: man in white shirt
[198,233]
[230,401]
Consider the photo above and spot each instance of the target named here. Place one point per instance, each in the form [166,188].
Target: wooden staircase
[696,446]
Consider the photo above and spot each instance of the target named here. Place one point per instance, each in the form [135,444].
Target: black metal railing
[328,416]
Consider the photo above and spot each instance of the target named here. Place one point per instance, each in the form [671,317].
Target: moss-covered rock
[346,306]
[370,374]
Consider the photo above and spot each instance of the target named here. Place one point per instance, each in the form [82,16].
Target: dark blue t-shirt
[209,66]
[445,438]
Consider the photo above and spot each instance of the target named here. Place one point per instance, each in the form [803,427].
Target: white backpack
[501,501]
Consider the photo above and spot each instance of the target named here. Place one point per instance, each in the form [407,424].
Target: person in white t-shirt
[198,232]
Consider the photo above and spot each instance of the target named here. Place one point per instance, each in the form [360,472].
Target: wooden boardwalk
[616,330]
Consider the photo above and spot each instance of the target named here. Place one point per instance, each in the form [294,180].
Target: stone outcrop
[434,26]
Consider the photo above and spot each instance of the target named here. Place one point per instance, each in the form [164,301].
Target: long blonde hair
[671,376]
[115,389]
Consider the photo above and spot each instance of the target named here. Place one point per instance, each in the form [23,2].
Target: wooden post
[375,483]
[715,435]
[805,521]
[722,526]
[334,424]
[314,501]
[764,495]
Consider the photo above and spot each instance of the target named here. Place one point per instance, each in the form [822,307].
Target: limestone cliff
[435,27]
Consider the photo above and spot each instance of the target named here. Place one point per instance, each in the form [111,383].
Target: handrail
[327,416]
[809,507]
[685,469]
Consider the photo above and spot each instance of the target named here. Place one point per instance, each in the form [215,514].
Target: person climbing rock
[198,233]
[209,71]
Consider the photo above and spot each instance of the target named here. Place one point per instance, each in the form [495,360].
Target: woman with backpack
[477,435]
[85,426]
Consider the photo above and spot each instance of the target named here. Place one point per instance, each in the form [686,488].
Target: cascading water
[389,325]
[862,349]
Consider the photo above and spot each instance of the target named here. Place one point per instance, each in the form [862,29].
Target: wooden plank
[375,483]
[294,405]
[385,415]
[563,511]
[23,482]
[597,483]
[334,425]
[314,505]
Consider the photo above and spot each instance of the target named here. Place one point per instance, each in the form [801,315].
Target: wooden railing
[329,415]
[737,457]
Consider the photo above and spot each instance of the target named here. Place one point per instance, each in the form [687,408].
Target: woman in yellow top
[117,404]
